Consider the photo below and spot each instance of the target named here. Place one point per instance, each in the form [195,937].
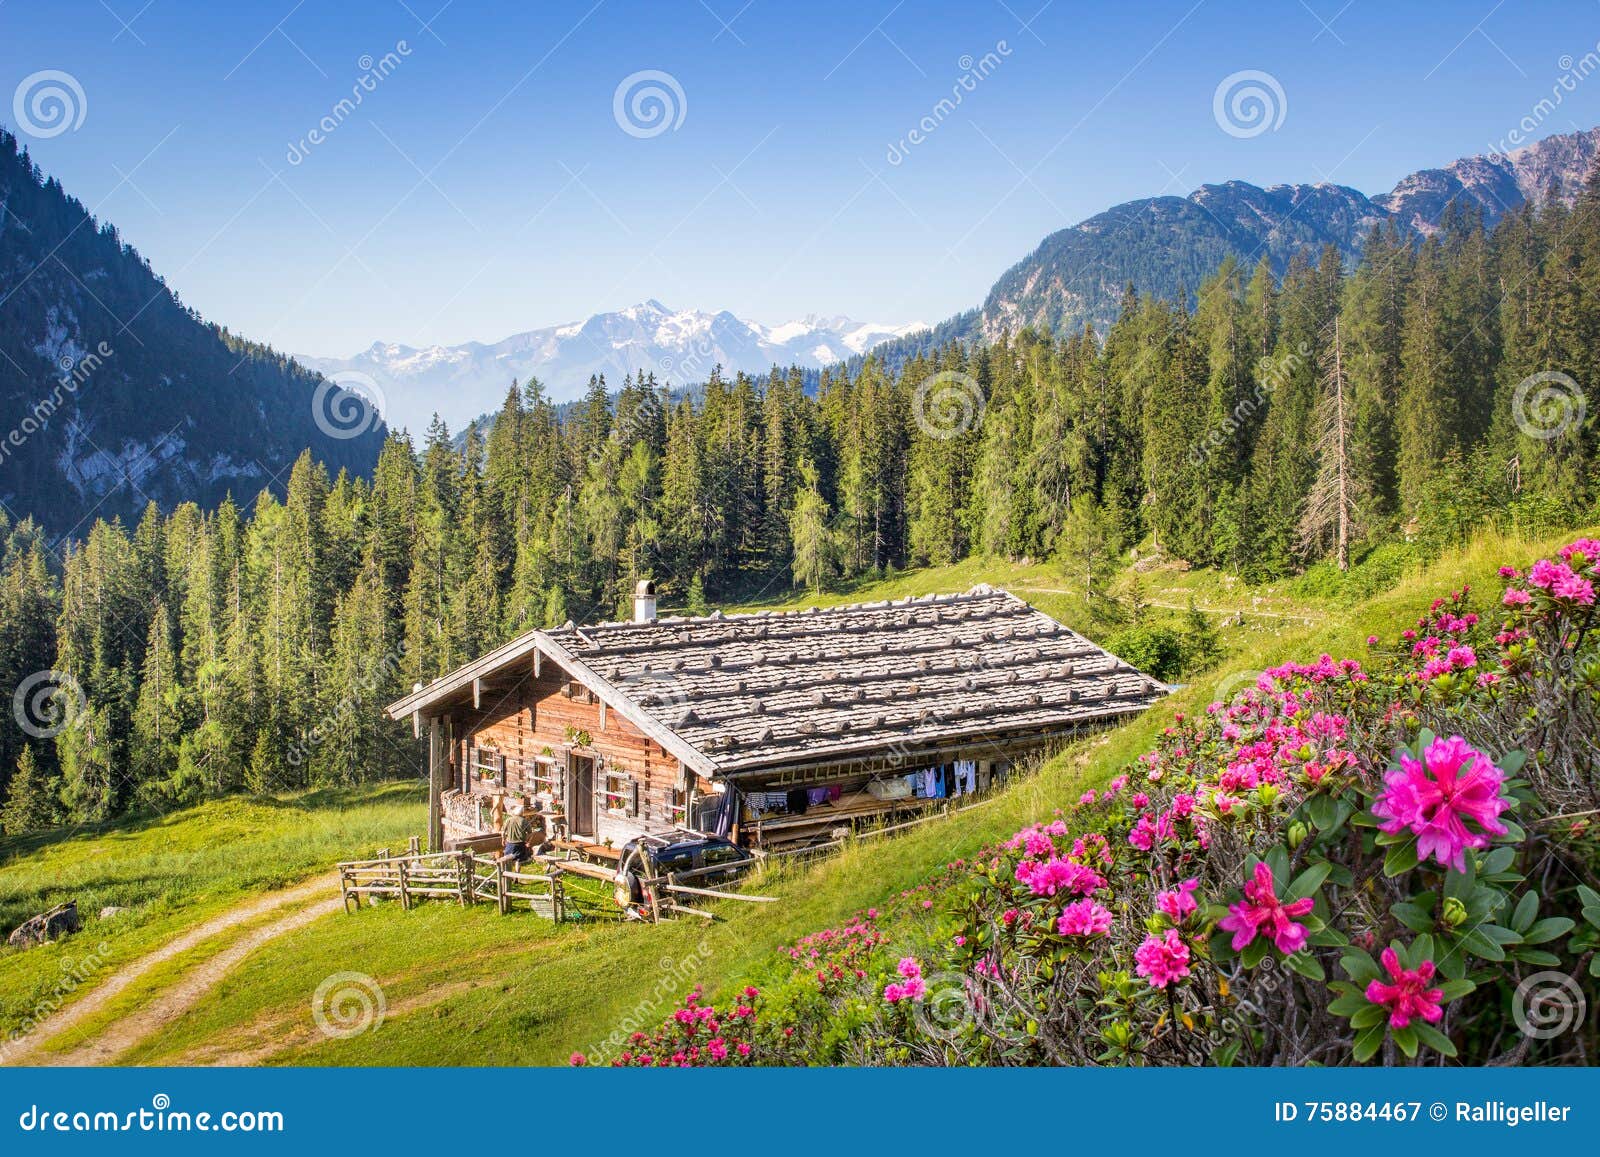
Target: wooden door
[580,795]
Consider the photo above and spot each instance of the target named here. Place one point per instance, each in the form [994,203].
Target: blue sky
[485,186]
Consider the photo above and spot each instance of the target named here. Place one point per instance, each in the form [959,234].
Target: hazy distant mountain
[113,393]
[1164,244]
[679,347]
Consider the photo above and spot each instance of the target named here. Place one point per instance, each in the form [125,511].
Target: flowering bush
[1221,900]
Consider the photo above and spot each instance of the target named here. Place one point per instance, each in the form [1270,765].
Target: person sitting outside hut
[514,832]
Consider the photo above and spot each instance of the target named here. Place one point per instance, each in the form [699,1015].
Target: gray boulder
[62,920]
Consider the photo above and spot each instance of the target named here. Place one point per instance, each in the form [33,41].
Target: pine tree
[812,546]
[31,800]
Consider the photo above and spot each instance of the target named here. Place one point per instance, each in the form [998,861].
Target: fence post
[464,874]
[500,885]
[344,890]
[405,892]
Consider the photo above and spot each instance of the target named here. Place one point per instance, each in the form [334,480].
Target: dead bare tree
[1330,510]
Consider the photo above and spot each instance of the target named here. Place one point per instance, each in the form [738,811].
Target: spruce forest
[1265,423]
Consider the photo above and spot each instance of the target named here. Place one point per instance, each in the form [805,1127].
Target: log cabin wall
[531,720]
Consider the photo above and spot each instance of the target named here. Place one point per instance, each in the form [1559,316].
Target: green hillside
[466,986]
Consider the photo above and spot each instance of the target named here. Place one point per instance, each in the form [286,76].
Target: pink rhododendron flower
[1434,797]
[1058,875]
[1084,918]
[1179,902]
[1409,996]
[1516,597]
[1261,912]
[1162,959]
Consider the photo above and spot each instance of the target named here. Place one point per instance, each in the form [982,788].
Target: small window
[488,766]
[620,794]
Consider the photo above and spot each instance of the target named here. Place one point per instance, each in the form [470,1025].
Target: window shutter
[632,790]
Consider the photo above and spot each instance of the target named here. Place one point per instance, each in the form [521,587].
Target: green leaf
[1413,916]
[1323,810]
[1401,858]
[1590,898]
[1367,1042]
[1455,989]
[1406,1038]
[1369,1016]
[1498,860]
[1359,966]
[1548,929]
[1433,1038]
[1255,951]
[1511,763]
[1306,965]
[1538,956]
[1348,1005]
[1527,908]
[1478,944]
[1308,881]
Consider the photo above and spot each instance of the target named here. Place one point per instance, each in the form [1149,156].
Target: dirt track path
[169,1004]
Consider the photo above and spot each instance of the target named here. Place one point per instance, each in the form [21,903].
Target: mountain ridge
[1164,245]
[113,393]
[681,346]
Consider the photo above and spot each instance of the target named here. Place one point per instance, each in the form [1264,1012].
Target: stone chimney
[644,602]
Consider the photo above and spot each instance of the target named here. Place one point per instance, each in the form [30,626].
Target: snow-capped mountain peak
[680,347]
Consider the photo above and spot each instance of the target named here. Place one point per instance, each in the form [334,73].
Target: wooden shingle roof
[758,690]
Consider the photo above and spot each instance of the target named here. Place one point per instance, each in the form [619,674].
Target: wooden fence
[538,885]
[460,876]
